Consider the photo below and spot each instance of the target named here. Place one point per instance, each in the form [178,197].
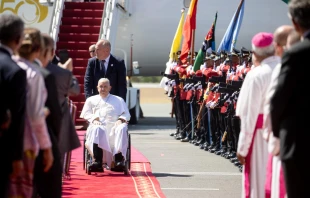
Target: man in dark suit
[105,65]
[49,184]
[67,85]
[288,105]
[13,99]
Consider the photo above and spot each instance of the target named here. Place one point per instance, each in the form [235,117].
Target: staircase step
[79,70]
[91,38]
[79,62]
[82,13]
[84,5]
[78,98]
[74,45]
[80,78]
[79,105]
[80,121]
[80,21]
[79,29]
[78,53]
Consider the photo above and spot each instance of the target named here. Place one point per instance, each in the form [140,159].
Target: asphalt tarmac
[182,169]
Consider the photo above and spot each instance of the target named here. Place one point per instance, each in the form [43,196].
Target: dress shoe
[194,140]
[232,155]
[180,136]
[220,152]
[185,139]
[173,134]
[232,160]
[202,146]
[201,141]
[120,163]
[240,168]
[214,150]
[237,163]
[96,167]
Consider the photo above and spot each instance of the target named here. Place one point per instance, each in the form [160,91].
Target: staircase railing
[110,20]
[57,15]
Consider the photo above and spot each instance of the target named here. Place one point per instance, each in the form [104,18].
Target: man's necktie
[102,67]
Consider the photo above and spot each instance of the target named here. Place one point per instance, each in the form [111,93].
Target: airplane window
[186,3]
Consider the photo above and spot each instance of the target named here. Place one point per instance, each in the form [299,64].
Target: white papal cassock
[251,145]
[111,138]
[275,184]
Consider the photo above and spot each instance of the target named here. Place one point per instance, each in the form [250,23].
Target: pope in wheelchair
[106,135]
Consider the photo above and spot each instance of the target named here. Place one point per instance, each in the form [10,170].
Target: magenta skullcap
[262,39]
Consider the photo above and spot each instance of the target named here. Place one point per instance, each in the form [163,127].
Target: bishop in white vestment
[252,148]
[107,132]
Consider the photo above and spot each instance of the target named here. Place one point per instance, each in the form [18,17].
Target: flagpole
[193,47]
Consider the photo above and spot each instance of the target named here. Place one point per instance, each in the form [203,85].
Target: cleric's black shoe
[96,167]
[119,164]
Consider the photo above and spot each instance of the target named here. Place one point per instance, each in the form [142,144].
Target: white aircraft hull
[153,25]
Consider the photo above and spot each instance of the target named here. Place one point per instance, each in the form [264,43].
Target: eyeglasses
[92,51]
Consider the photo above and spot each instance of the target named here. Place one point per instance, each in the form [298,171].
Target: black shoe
[233,160]
[231,155]
[240,168]
[214,150]
[237,163]
[220,152]
[201,141]
[180,136]
[96,167]
[185,139]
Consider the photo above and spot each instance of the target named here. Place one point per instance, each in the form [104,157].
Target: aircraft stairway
[80,27]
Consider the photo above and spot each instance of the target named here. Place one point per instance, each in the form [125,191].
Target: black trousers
[4,179]
[48,184]
[296,173]
[98,153]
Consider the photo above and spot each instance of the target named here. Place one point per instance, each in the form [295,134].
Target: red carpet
[139,183]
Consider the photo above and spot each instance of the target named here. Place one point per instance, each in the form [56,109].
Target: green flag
[286,1]
[208,43]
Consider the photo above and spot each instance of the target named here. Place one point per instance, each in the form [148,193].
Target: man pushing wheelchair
[106,135]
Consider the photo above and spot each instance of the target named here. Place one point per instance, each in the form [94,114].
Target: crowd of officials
[249,106]
[36,128]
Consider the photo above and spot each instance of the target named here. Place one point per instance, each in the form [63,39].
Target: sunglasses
[92,51]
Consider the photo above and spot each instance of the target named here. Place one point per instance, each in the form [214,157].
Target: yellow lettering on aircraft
[31,11]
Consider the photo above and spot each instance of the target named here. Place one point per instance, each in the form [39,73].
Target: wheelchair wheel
[84,154]
[128,156]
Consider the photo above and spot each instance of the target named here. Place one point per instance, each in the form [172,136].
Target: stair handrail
[56,20]
[110,19]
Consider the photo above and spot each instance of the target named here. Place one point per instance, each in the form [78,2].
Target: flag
[286,1]
[208,43]
[177,38]
[189,26]
[230,38]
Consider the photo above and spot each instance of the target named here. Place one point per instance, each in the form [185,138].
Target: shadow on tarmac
[170,175]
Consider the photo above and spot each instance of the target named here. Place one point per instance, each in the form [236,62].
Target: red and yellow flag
[189,26]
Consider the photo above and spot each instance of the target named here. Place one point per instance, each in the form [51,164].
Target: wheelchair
[87,160]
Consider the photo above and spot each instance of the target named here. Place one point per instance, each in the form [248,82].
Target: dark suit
[288,106]
[116,73]
[48,185]
[67,85]
[13,83]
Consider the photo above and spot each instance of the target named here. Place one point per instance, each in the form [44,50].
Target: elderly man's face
[104,88]
[92,51]
[101,51]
